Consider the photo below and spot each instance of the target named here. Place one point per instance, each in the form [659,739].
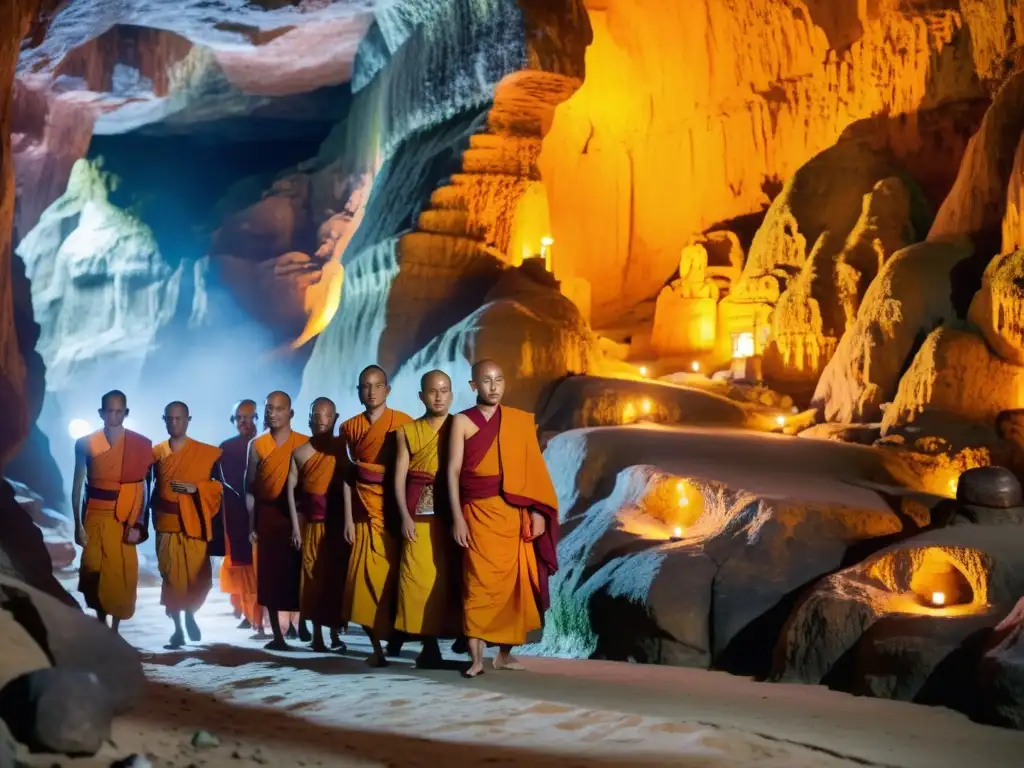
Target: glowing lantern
[545,251]
[938,598]
[643,370]
[678,532]
[645,405]
[743,345]
[695,366]
[780,420]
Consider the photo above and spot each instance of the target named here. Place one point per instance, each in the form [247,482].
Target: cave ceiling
[197,65]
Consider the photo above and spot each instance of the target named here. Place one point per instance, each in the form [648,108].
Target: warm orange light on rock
[628,413]
[678,532]
[645,406]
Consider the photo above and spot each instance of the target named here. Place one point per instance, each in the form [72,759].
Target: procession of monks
[442,527]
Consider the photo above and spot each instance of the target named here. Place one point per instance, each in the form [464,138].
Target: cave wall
[495,71]
[694,114]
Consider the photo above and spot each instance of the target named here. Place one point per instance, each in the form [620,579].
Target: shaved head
[244,418]
[113,409]
[434,377]
[370,369]
[323,415]
[373,387]
[176,419]
[114,395]
[436,393]
[488,382]
[277,411]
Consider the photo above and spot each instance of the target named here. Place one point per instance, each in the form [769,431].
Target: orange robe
[279,572]
[324,549]
[238,568]
[370,583]
[184,522]
[505,572]
[114,498]
[428,590]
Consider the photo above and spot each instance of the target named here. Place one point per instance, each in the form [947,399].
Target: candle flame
[695,366]
[678,532]
[646,405]
[938,598]
[643,370]
[780,420]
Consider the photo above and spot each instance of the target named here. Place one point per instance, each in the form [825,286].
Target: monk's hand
[537,525]
[134,536]
[81,537]
[460,532]
[350,532]
[409,529]
[296,538]
[183,487]
[252,537]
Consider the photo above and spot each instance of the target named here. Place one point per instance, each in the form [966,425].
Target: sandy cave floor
[306,709]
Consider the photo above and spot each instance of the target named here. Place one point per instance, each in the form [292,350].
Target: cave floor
[305,709]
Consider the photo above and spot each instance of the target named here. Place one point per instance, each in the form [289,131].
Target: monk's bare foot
[291,634]
[376,661]
[474,671]
[177,641]
[460,646]
[192,628]
[244,624]
[507,664]
[304,635]
[277,645]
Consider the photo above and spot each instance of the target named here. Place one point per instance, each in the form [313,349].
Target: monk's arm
[250,476]
[293,483]
[401,474]
[77,486]
[456,451]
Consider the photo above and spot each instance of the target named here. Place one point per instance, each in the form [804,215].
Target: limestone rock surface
[996,307]
[910,296]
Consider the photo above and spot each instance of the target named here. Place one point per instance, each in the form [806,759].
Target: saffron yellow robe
[279,570]
[372,572]
[115,495]
[505,571]
[184,522]
[324,550]
[428,587]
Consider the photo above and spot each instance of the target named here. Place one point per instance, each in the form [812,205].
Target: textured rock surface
[996,307]
[23,550]
[874,628]
[910,296]
[989,487]
[73,640]
[744,94]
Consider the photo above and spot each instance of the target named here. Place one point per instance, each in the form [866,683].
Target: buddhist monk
[187,495]
[274,529]
[372,569]
[504,516]
[238,569]
[112,467]
[428,593]
[314,493]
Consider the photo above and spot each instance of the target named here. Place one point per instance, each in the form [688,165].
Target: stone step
[444,222]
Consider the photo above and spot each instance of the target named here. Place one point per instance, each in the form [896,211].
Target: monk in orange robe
[238,568]
[373,564]
[505,516]
[112,467]
[314,493]
[428,592]
[186,498]
[274,529]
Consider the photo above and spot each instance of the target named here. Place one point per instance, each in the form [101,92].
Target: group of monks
[442,527]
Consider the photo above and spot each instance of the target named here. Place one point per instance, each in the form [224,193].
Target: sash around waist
[101,494]
[473,486]
[368,475]
[316,507]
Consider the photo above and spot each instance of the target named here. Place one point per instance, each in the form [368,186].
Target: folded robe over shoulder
[184,522]
[279,573]
[115,494]
[370,584]
[503,479]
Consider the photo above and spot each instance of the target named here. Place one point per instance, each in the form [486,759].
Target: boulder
[74,641]
[996,307]
[21,652]
[58,710]
[993,487]
[910,296]
[909,622]
[24,552]
[1001,673]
